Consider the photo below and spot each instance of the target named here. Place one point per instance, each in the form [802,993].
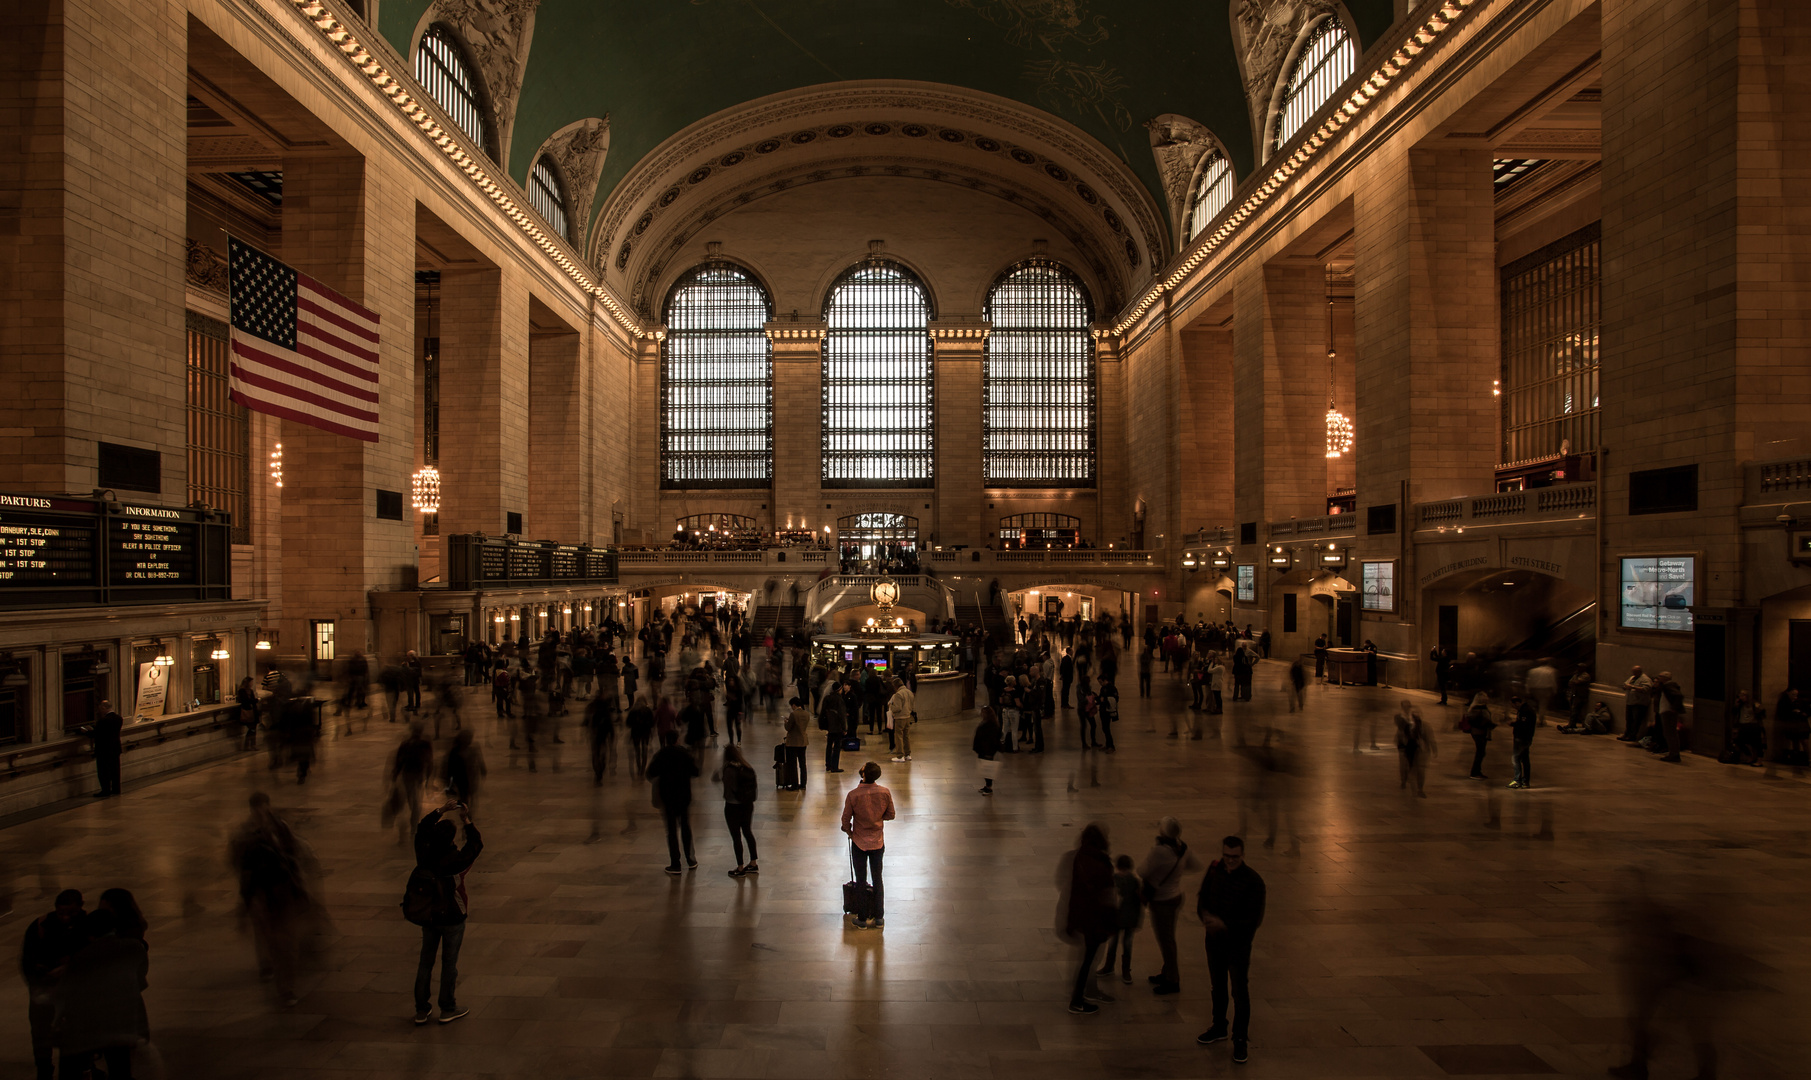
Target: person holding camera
[438,853]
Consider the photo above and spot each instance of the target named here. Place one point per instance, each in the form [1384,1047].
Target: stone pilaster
[958,359]
[559,410]
[484,418]
[798,412]
[1279,365]
[345,226]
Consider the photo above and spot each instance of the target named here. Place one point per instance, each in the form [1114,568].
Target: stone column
[349,228]
[1206,444]
[92,219]
[1425,326]
[1279,381]
[484,427]
[959,355]
[798,421]
[1113,511]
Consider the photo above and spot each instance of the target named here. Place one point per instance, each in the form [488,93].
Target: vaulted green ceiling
[656,66]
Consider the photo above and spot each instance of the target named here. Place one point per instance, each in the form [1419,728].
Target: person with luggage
[866,809]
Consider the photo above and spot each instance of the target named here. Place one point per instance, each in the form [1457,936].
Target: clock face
[885,593]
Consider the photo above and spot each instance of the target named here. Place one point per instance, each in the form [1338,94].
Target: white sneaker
[908,757]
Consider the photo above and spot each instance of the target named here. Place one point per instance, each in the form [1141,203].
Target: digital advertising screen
[1245,583]
[1657,592]
[1378,584]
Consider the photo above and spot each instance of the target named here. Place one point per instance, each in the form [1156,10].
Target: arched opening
[1038,387]
[716,382]
[1324,62]
[877,535]
[444,68]
[1039,532]
[1513,631]
[877,379]
[547,194]
[1213,191]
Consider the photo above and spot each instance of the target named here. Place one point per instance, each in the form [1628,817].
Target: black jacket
[987,740]
[1235,897]
[672,770]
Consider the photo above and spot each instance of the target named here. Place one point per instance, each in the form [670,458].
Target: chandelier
[1339,428]
[425,490]
[276,464]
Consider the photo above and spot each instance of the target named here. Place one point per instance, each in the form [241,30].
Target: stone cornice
[444,136]
[1266,184]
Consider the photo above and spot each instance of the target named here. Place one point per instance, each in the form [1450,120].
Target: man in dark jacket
[1231,906]
[49,943]
[672,771]
[107,749]
[436,853]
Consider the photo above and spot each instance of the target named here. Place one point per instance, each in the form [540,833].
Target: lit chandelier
[276,464]
[425,490]
[1339,428]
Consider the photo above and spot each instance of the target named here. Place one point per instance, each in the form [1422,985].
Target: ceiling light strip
[343,39]
[1437,24]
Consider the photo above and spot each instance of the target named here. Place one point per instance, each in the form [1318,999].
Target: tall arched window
[548,197]
[445,71]
[716,382]
[1038,383]
[1213,190]
[1325,62]
[877,379]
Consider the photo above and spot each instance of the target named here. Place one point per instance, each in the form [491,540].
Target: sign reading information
[56,552]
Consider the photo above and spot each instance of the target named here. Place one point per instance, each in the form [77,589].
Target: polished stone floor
[1470,933]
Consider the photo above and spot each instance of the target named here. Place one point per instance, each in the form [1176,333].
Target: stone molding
[1179,145]
[1009,132]
[205,268]
[1265,36]
[578,151]
[497,33]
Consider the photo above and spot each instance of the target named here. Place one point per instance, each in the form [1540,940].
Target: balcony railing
[1502,508]
[956,561]
[1324,525]
[1776,481]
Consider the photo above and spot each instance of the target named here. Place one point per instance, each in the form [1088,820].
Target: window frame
[557,211]
[460,73]
[1193,223]
[994,458]
[908,423]
[670,456]
[1290,90]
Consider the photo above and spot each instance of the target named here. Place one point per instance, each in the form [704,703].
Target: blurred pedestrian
[740,790]
[1521,739]
[105,735]
[1477,723]
[50,940]
[1092,916]
[99,999]
[671,771]
[462,770]
[987,747]
[1130,909]
[1668,965]
[275,890]
[1414,746]
[1163,873]
[640,723]
[410,767]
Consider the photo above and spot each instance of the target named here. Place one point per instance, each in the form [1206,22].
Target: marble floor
[1474,932]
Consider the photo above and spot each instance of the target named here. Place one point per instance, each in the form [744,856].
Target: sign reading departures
[57,551]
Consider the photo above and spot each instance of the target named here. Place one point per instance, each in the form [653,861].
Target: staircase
[969,615]
[782,619]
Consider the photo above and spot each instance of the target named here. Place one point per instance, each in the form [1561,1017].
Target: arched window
[1212,192]
[716,382]
[877,379]
[548,197]
[1038,382]
[448,75]
[1326,61]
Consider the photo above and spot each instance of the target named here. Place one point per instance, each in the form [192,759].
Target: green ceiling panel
[656,66]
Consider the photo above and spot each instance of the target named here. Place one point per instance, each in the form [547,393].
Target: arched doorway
[1514,621]
[1038,532]
[877,534]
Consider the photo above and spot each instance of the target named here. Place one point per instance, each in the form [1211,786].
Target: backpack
[424,899]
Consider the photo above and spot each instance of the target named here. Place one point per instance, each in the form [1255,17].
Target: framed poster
[1657,592]
[1378,585]
[1245,583]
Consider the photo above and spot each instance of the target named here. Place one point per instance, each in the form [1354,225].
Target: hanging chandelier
[425,490]
[276,464]
[1339,427]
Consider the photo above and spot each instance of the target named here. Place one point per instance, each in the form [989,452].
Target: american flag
[300,350]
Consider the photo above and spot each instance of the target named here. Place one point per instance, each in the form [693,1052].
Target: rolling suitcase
[779,765]
[858,897]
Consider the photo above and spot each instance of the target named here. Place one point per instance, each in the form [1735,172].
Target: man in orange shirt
[864,809]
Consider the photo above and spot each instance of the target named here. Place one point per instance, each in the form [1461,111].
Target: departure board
[474,561]
[57,551]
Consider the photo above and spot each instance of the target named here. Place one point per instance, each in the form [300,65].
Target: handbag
[851,743]
[1147,892]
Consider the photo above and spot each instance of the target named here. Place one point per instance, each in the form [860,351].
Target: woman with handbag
[1163,871]
[987,747]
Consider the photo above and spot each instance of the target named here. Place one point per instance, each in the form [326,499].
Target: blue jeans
[864,860]
[446,940]
[1519,755]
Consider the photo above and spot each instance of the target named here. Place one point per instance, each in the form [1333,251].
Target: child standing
[1131,915]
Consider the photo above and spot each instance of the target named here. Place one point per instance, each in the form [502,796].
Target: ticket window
[207,673]
[448,634]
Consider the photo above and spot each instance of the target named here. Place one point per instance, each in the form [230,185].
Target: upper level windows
[1038,385]
[548,197]
[877,379]
[1213,190]
[716,382]
[446,72]
[1325,62]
